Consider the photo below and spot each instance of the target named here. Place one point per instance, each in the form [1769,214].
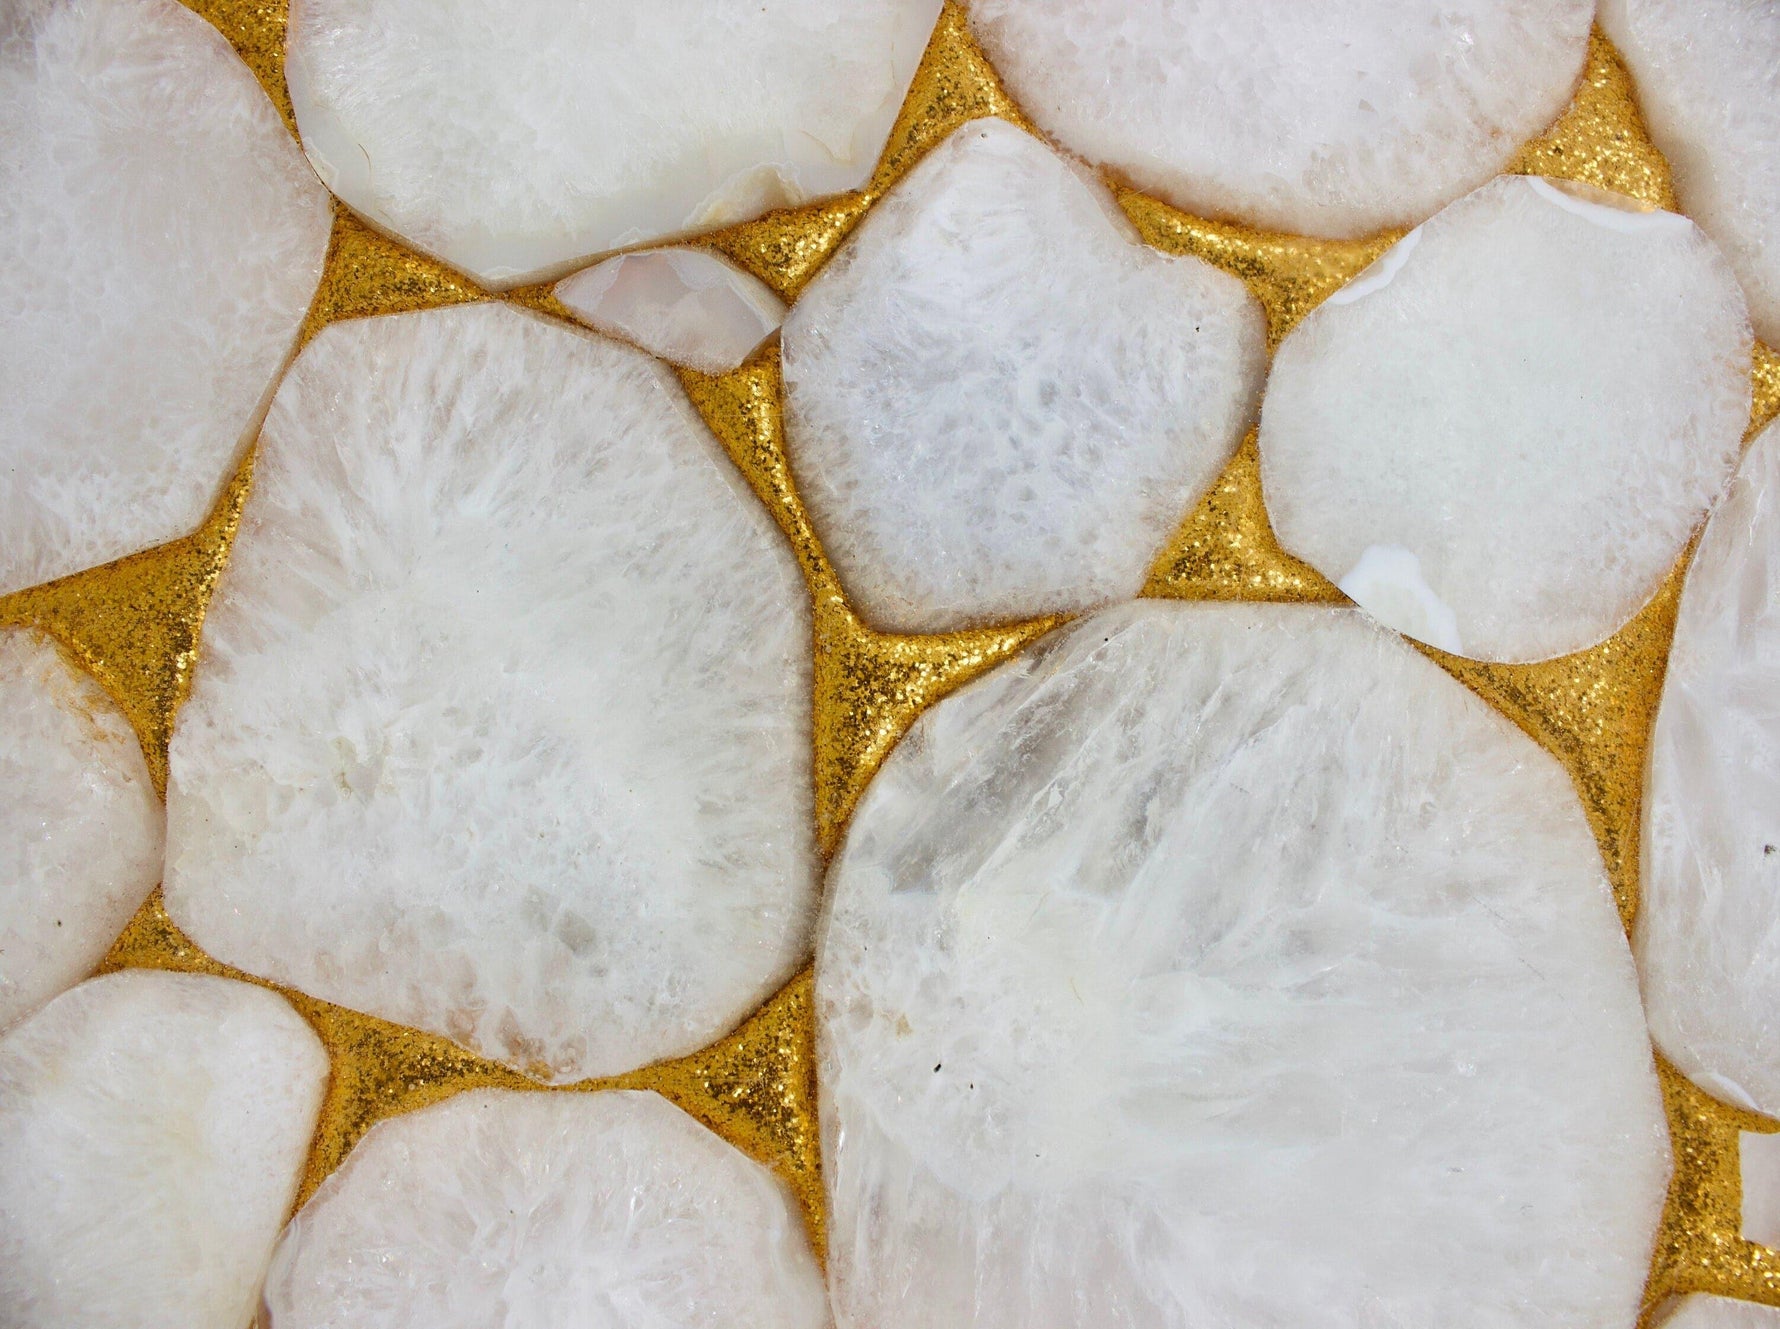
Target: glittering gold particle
[134,624]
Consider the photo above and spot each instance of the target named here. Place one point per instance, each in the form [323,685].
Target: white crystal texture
[1540,406]
[1707,1312]
[512,140]
[152,1128]
[1708,936]
[1708,75]
[685,305]
[503,724]
[613,1209]
[160,237]
[80,825]
[998,402]
[1336,118]
[1759,1171]
[1229,965]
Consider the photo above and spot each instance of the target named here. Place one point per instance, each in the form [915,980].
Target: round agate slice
[1499,438]
[152,1128]
[1229,965]
[502,726]
[160,237]
[80,825]
[499,1208]
[511,140]
[1708,76]
[1336,118]
[1708,936]
[999,403]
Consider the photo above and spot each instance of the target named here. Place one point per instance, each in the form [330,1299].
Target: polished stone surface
[1337,118]
[80,825]
[614,1210]
[160,236]
[1500,437]
[512,140]
[1708,936]
[502,729]
[688,306]
[999,403]
[1708,76]
[1230,964]
[152,1127]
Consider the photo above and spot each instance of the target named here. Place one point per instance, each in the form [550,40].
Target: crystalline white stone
[511,140]
[1705,1312]
[685,305]
[80,826]
[1708,74]
[152,1127]
[1537,406]
[1708,936]
[502,726]
[1759,1158]
[1000,403]
[502,1208]
[160,237]
[1335,118]
[1230,965]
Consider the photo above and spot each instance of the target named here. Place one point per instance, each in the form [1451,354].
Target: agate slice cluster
[1214,964]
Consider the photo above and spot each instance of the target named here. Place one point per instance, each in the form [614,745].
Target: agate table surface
[627,469]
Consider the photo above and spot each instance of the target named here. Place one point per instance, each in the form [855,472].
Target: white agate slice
[1708,74]
[511,140]
[1759,1171]
[502,726]
[152,1128]
[1706,1312]
[160,237]
[536,1210]
[685,305]
[999,402]
[1708,936]
[80,826]
[1500,437]
[1335,118]
[1230,965]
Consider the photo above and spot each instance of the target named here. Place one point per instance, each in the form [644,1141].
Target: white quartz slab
[511,140]
[535,1210]
[1708,75]
[1708,936]
[152,1128]
[1500,437]
[685,305]
[1229,965]
[1336,118]
[502,725]
[999,403]
[160,237]
[80,825]
[1705,1312]
[1759,1171]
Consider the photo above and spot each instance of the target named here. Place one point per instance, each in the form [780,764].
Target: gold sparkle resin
[134,625]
